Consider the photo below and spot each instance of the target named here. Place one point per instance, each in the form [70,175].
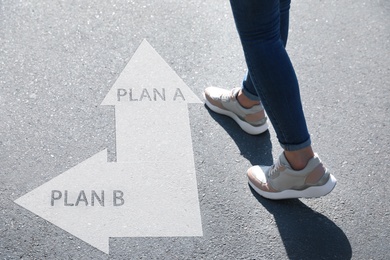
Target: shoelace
[227,96]
[274,168]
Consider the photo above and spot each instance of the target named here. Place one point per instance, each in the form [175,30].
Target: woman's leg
[248,89]
[297,172]
[273,76]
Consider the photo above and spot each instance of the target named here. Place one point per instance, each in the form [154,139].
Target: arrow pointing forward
[152,122]
[151,190]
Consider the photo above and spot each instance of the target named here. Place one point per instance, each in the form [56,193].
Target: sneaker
[280,181]
[252,120]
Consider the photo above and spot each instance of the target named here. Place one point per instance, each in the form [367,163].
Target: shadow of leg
[256,148]
[307,234]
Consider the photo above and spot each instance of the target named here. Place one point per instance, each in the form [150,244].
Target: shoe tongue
[235,92]
[283,160]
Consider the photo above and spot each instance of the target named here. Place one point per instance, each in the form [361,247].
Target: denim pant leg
[247,85]
[270,68]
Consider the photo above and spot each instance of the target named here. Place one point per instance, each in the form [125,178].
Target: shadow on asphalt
[306,234]
[257,149]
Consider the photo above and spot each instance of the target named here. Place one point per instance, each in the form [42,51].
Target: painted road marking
[151,191]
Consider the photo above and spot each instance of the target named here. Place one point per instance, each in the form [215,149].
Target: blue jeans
[263,29]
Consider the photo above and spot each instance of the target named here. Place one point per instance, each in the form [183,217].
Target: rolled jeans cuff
[249,95]
[295,147]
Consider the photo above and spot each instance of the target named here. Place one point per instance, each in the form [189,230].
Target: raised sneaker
[252,120]
[280,181]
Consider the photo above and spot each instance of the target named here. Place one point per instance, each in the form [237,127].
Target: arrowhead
[76,220]
[149,203]
[147,71]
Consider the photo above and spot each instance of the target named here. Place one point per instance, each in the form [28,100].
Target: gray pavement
[59,59]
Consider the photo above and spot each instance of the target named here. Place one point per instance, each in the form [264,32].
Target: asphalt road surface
[73,173]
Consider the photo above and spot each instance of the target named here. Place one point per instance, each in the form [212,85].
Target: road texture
[59,59]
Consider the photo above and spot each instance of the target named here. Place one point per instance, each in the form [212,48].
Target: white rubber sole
[248,128]
[311,192]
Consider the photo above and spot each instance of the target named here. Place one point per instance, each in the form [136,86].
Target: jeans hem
[295,147]
[249,94]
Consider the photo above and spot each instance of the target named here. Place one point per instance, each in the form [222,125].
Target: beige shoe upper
[227,100]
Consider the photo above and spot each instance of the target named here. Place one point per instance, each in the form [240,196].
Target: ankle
[299,159]
[245,102]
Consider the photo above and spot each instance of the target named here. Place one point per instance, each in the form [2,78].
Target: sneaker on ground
[280,181]
[252,120]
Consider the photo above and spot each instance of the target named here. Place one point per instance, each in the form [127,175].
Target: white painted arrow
[151,190]
[152,122]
